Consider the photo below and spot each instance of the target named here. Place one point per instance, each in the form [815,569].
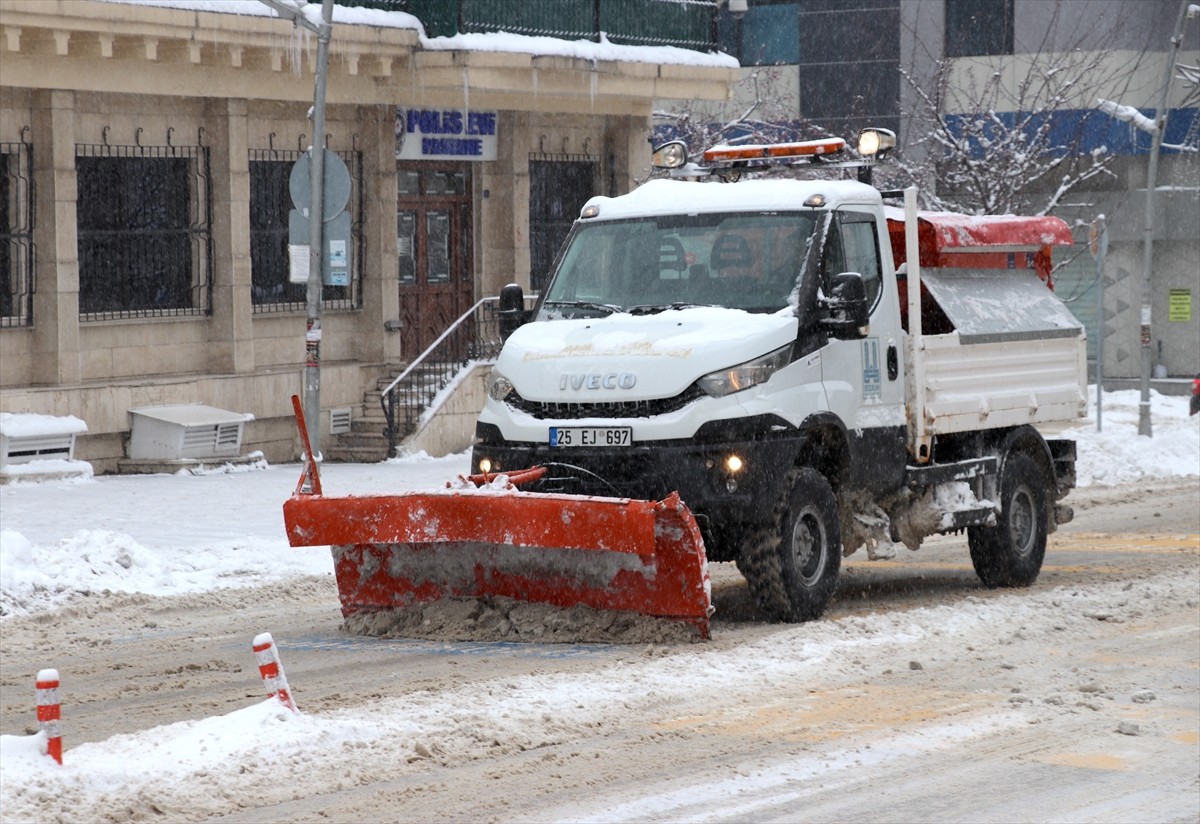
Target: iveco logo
[596,380]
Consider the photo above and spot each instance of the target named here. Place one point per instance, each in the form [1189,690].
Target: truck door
[863,380]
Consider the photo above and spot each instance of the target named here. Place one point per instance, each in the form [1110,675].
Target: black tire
[1010,554]
[792,571]
[810,547]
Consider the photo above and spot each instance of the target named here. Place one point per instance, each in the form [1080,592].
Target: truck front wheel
[793,572]
[1010,554]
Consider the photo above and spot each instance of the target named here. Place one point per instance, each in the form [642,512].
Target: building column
[627,154]
[56,356]
[380,289]
[231,328]
[502,244]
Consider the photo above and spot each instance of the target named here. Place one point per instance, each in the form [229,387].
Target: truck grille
[620,409]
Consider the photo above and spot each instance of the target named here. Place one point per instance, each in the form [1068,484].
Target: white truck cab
[746,345]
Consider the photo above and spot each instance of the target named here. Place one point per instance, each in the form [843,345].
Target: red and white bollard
[272,671]
[49,712]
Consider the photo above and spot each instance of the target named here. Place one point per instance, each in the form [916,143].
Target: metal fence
[688,24]
[144,217]
[16,234]
[473,338]
[270,202]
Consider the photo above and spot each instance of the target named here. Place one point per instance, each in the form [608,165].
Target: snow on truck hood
[673,197]
[624,357]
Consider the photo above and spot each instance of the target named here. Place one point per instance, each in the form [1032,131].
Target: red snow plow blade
[488,540]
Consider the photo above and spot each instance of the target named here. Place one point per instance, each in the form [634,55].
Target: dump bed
[997,347]
[1014,354]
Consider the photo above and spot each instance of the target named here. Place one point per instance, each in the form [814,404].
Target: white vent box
[339,420]
[26,438]
[169,433]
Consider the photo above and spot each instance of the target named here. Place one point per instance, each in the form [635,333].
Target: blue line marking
[411,646]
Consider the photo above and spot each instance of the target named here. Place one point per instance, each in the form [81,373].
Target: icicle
[298,38]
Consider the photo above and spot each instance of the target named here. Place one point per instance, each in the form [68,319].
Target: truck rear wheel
[793,571]
[1010,554]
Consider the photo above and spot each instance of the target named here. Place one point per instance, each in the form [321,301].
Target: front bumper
[650,470]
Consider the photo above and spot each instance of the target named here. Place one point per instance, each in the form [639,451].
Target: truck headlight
[745,375]
[500,387]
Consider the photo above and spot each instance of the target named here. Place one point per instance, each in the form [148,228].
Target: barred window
[143,218]
[16,234]
[270,204]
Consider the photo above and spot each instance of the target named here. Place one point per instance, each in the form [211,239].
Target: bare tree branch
[979,144]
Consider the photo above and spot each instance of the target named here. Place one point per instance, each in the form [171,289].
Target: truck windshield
[740,261]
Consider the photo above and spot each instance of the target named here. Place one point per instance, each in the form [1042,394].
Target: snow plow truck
[727,365]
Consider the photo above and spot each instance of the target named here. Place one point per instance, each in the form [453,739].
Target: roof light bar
[775,151]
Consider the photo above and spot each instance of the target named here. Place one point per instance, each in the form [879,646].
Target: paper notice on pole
[298,263]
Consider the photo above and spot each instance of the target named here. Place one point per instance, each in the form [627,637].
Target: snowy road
[920,697]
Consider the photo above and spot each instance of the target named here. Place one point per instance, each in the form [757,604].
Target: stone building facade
[178,128]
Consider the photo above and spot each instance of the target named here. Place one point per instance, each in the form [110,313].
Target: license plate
[591,436]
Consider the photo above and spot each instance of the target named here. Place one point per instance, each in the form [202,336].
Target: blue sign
[445,134]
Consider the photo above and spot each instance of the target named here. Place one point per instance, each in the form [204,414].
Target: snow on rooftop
[483,42]
[585,49]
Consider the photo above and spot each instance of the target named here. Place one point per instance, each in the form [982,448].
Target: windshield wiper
[655,308]
[606,308]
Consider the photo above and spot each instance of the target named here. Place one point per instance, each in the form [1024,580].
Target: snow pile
[109,778]
[42,469]
[1118,455]
[91,561]
[955,497]
[171,534]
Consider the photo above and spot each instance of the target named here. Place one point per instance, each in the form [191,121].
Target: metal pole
[912,256]
[1099,250]
[316,237]
[1144,427]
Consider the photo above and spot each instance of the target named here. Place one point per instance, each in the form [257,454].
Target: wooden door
[433,234]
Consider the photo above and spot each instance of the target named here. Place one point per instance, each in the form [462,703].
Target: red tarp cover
[946,239]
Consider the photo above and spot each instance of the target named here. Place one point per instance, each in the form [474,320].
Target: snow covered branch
[982,141]
[1127,114]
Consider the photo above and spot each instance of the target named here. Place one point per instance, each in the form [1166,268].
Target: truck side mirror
[848,314]
[512,309]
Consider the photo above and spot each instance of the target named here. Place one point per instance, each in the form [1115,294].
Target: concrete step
[355,440]
[372,426]
[375,453]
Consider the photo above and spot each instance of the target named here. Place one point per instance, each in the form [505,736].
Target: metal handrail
[474,336]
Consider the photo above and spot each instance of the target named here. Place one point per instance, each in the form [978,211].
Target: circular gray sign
[337,184]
